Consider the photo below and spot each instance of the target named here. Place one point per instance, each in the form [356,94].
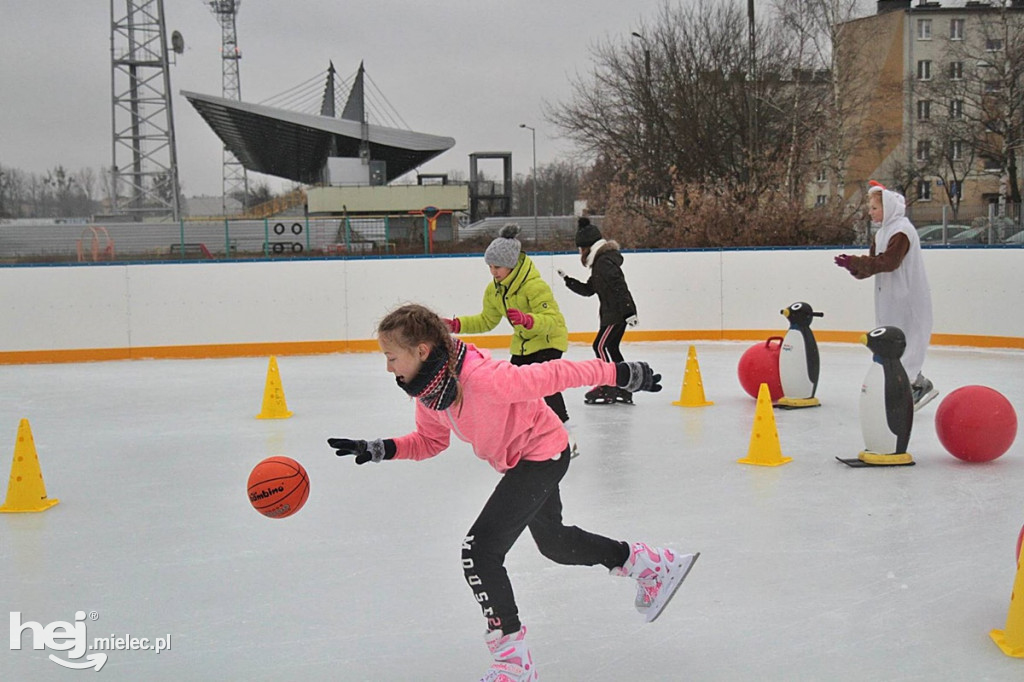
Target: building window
[924,70]
[821,200]
[993,86]
[956,71]
[924,149]
[956,150]
[822,175]
[992,164]
[924,109]
[924,29]
[993,44]
[956,109]
[956,29]
[924,190]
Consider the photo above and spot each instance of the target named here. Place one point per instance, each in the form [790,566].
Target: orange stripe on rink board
[497,341]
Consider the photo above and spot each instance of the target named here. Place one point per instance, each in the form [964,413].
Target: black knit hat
[586,234]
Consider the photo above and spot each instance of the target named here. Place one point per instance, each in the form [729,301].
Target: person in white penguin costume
[902,296]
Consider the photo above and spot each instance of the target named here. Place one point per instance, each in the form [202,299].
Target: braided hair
[412,324]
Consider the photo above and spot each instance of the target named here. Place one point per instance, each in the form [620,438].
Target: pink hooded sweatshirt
[503,414]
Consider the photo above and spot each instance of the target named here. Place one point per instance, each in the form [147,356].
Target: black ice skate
[600,395]
[623,396]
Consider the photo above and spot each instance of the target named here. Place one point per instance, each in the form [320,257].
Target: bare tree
[6,199]
[946,150]
[975,117]
[673,103]
[676,105]
[86,179]
[108,181]
[558,185]
[823,42]
[691,143]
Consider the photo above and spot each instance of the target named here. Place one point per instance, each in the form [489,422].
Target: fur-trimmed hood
[604,247]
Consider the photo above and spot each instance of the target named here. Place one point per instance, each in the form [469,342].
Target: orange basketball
[278,487]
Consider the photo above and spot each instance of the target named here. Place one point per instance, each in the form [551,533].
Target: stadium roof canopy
[296,146]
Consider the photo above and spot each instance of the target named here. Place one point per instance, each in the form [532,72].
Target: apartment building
[932,100]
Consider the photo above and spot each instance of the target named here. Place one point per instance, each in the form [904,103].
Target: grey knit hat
[503,252]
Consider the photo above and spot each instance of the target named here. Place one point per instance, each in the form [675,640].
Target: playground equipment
[95,244]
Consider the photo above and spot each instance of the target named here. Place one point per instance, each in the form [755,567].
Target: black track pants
[606,343]
[527,497]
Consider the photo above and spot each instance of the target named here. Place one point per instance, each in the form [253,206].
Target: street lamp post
[648,105]
[533,134]
[647,57]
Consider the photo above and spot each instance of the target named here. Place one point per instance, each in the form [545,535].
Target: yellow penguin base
[797,403]
[899,458]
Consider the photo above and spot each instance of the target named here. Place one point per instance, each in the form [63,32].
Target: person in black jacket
[617,308]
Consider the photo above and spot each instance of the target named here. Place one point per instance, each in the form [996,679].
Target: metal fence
[977,224]
[28,241]
[32,242]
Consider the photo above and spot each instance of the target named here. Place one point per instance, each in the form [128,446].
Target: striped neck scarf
[433,385]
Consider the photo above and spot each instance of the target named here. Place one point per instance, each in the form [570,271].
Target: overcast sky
[472,70]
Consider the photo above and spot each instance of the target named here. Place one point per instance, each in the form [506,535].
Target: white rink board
[974,292]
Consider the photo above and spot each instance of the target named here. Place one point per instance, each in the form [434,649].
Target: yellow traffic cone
[1011,639]
[692,394]
[764,438]
[26,491]
[274,404]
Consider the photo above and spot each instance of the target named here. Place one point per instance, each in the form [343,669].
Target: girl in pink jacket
[499,409]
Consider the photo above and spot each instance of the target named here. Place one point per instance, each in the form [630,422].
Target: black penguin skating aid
[799,362]
[886,403]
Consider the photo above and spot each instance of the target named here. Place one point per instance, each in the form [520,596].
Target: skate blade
[925,399]
[674,584]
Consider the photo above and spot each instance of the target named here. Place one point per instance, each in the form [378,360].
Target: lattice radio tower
[144,176]
[235,181]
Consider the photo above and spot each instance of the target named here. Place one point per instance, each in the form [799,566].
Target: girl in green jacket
[519,294]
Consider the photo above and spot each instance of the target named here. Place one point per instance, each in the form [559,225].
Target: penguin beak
[863,339]
[785,312]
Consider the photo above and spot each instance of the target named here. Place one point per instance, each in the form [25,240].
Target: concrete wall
[75,313]
[387,199]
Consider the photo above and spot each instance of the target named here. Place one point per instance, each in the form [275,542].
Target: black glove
[637,376]
[365,451]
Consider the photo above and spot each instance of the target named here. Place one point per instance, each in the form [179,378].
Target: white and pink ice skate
[658,573]
[512,659]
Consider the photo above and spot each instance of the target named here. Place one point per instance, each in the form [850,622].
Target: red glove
[453,324]
[520,318]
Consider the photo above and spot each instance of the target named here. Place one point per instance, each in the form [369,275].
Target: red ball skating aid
[760,365]
[976,423]
[278,487]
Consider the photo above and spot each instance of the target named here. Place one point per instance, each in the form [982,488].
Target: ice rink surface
[808,571]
